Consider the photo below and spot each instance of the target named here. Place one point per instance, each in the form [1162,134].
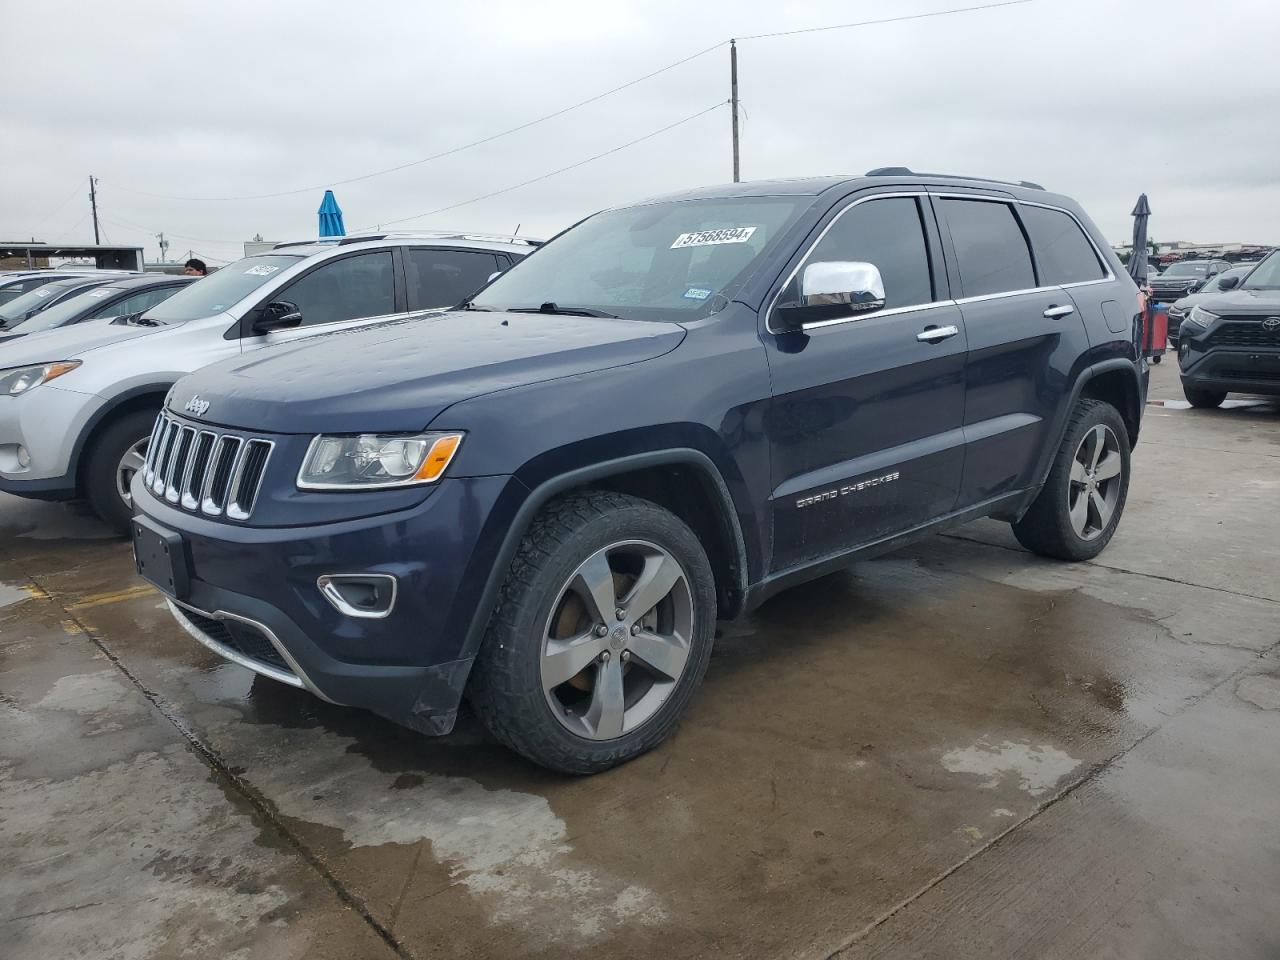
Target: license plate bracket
[161,557]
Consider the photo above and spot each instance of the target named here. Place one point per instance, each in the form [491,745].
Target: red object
[1155,330]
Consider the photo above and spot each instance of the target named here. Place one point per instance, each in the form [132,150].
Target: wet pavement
[957,750]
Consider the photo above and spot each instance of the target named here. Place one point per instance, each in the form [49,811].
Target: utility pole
[733,101]
[164,247]
[93,204]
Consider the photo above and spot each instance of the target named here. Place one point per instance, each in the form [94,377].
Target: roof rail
[908,172]
[441,235]
[305,243]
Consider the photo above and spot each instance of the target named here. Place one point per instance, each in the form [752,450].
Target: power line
[545,176]
[446,153]
[871,23]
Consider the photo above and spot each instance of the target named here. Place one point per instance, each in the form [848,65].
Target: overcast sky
[1099,99]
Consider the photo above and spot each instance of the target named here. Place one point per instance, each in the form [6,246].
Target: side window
[346,289]
[991,252]
[887,233]
[444,278]
[135,304]
[1062,250]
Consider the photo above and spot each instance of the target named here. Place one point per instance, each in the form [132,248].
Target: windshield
[659,261]
[32,302]
[1190,268]
[66,310]
[1266,275]
[218,291]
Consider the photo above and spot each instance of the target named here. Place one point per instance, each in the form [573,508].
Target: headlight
[21,379]
[1201,317]
[372,460]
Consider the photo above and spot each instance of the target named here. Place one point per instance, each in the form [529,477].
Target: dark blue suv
[544,499]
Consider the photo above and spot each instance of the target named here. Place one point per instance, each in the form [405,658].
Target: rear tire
[566,675]
[115,454]
[1203,399]
[1078,509]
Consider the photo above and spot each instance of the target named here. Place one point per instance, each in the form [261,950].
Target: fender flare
[105,412]
[1060,426]
[540,495]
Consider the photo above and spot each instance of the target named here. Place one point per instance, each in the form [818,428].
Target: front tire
[1078,509]
[1203,399]
[114,457]
[601,635]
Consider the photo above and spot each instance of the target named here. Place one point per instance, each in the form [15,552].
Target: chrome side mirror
[832,290]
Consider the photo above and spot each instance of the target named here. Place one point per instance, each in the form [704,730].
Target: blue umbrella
[331,217]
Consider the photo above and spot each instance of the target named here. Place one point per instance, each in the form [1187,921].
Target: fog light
[367,595]
[24,457]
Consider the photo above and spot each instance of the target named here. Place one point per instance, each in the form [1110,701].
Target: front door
[343,292]
[865,421]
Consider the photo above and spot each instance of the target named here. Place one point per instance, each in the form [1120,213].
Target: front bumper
[253,597]
[44,424]
[1249,369]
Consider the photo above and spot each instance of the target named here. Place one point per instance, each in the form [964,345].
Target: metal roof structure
[105,256]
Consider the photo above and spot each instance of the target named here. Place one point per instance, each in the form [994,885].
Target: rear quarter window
[1063,252]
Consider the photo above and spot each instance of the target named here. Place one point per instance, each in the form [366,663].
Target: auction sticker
[697,293]
[261,270]
[97,293]
[707,238]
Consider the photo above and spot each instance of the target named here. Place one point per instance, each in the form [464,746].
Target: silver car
[77,404]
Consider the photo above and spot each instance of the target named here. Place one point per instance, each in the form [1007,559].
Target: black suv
[1185,277]
[544,499]
[1230,341]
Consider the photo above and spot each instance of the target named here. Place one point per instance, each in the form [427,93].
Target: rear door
[1024,336]
[865,420]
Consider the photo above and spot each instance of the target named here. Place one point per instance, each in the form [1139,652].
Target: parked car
[672,411]
[14,284]
[1230,341]
[86,434]
[24,307]
[1184,277]
[1180,308]
[117,298]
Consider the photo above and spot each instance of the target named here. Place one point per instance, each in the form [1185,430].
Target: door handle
[934,334]
[1056,312]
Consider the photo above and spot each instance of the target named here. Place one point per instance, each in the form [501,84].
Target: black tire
[506,688]
[1046,528]
[1203,399]
[103,460]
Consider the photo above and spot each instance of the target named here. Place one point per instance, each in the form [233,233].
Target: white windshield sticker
[97,293]
[706,238]
[261,270]
[41,293]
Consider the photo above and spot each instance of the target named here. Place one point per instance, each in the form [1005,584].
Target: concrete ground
[959,750]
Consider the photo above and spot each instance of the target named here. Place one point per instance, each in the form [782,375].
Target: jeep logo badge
[1271,324]
[197,406]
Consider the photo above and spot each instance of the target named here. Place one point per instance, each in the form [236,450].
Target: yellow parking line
[35,592]
[115,596]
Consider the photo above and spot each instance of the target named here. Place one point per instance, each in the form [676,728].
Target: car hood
[1261,302]
[65,343]
[400,376]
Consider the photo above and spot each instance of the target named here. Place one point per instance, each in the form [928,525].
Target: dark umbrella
[1138,258]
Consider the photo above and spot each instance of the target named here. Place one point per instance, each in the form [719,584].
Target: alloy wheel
[617,640]
[1096,478]
[133,460]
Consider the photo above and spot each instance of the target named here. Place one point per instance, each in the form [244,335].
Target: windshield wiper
[550,307]
[470,305]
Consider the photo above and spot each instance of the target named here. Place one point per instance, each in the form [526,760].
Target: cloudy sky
[168,101]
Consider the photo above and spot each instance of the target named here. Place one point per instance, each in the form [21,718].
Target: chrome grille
[203,471]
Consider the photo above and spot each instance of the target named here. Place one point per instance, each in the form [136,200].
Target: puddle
[1225,405]
[505,846]
[68,522]
[1261,690]
[1037,767]
[10,594]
